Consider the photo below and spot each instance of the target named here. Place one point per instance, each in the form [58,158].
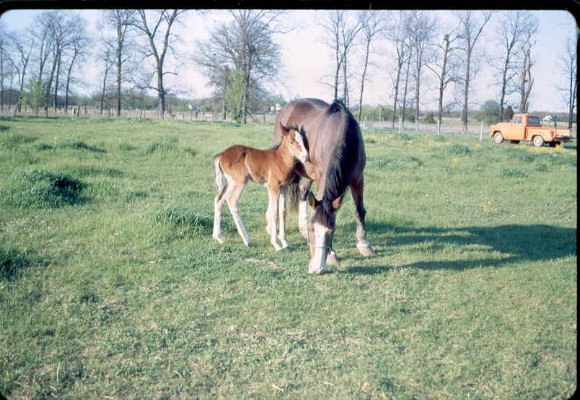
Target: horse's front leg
[273,197]
[282,217]
[304,188]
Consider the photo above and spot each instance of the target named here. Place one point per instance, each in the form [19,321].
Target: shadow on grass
[515,243]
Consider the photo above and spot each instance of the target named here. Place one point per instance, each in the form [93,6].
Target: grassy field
[112,287]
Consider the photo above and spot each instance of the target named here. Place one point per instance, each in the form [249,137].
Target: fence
[448,125]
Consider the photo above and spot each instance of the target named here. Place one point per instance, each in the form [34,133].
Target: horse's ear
[312,201]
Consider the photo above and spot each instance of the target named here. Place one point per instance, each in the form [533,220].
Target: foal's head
[321,231]
[293,141]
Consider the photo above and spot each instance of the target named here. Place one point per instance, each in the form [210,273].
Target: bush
[429,118]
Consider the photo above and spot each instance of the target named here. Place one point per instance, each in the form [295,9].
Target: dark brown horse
[338,160]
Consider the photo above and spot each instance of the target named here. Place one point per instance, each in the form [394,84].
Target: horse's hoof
[365,249]
[276,246]
[331,258]
[316,272]
[219,239]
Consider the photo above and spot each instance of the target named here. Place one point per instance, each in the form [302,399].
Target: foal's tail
[219,174]
[294,193]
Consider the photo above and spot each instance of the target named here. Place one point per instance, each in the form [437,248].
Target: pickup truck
[528,127]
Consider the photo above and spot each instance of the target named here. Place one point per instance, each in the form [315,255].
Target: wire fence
[451,125]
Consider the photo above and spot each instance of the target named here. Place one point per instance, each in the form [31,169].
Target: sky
[307,61]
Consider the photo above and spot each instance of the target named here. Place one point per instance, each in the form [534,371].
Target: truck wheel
[538,141]
[497,137]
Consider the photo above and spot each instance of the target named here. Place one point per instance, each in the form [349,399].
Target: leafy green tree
[234,96]
[489,112]
[34,95]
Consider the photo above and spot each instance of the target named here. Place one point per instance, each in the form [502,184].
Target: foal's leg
[282,217]
[363,245]
[273,197]
[233,206]
[217,208]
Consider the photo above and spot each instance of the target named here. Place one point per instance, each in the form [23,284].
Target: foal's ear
[284,129]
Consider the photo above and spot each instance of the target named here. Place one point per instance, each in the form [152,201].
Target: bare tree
[472,24]
[240,57]
[108,60]
[156,26]
[569,68]
[65,28]
[371,27]
[512,29]
[5,65]
[121,22]
[526,80]
[22,45]
[445,70]
[422,29]
[78,52]
[343,35]
[396,32]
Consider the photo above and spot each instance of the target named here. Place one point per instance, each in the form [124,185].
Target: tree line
[137,50]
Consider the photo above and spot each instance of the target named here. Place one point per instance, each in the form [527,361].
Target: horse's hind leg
[233,206]
[363,245]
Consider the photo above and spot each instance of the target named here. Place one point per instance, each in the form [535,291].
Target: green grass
[111,285]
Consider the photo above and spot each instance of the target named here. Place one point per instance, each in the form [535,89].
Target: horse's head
[293,138]
[321,231]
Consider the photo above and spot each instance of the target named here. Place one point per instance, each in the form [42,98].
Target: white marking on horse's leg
[272,213]
[282,219]
[363,245]
[317,263]
[303,218]
[233,206]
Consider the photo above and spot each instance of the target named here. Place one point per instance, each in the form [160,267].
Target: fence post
[481,132]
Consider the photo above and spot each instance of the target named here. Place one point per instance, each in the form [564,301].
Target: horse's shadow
[509,244]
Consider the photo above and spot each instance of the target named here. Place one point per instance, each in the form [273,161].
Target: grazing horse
[337,161]
[273,168]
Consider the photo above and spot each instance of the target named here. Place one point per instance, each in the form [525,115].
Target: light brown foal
[273,168]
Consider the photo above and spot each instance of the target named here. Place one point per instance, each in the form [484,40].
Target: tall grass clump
[12,262]
[183,222]
[163,146]
[42,189]
[457,150]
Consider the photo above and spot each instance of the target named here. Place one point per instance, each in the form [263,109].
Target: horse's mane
[344,158]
